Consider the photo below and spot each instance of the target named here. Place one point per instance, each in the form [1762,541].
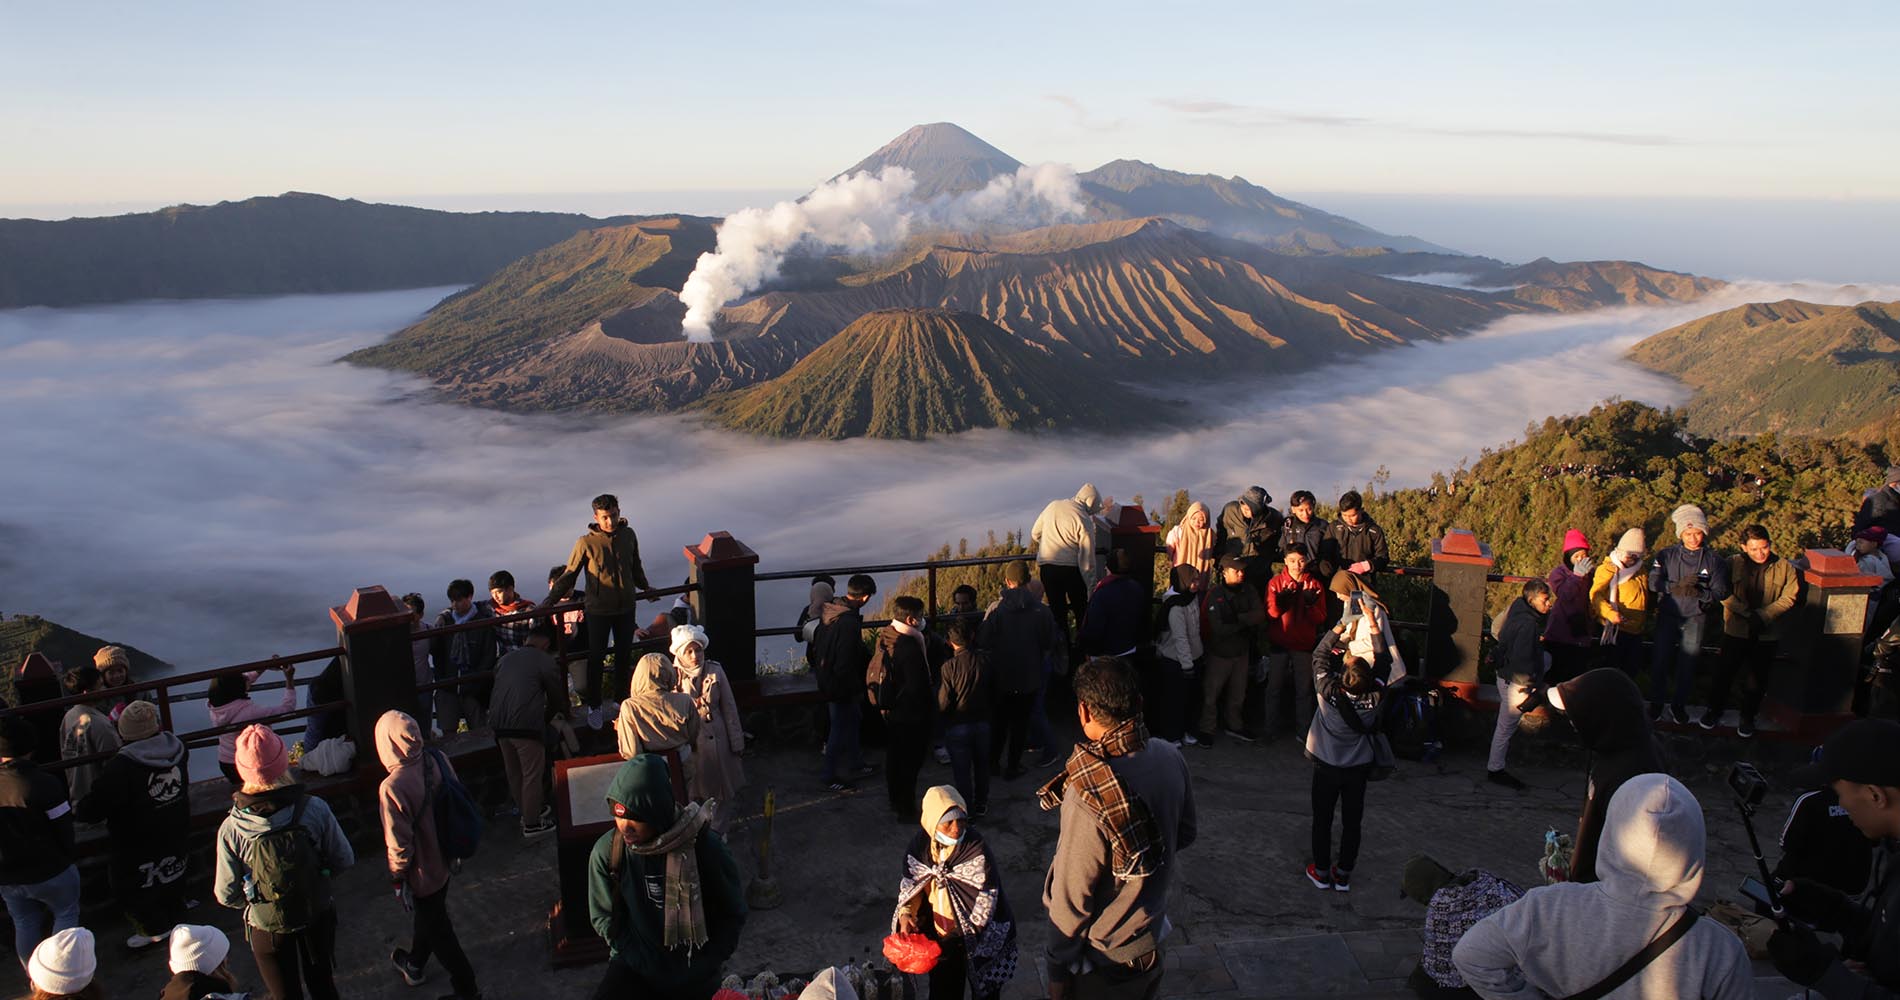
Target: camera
[1747,784]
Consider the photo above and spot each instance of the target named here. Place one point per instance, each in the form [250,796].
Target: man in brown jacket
[1762,587]
[418,873]
[610,553]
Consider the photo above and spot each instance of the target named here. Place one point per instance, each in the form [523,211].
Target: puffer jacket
[409,834]
[1676,565]
[614,574]
[1017,632]
[251,816]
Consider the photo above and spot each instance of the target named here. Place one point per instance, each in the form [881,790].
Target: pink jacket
[244,710]
[415,852]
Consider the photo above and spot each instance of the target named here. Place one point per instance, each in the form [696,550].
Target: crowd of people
[1270,623]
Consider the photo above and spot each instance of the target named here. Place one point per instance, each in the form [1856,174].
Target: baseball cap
[1865,751]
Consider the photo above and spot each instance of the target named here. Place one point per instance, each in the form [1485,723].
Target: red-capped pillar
[1131,532]
[378,671]
[1811,691]
[723,568]
[1460,564]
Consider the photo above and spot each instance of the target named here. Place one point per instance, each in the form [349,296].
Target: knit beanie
[1689,516]
[261,757]
[112,656]
[198,948]
[1633,541]
[139,720]
[686,635]
[1574,540]
[64,963]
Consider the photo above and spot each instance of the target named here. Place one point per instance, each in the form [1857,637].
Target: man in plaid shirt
[510,636]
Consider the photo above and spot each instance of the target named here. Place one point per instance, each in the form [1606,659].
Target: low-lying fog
[202,480]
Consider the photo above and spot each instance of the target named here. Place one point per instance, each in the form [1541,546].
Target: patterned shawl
[984,921]
[1136,847]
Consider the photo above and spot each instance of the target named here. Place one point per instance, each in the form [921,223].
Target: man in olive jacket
[1762,588]
[610,553]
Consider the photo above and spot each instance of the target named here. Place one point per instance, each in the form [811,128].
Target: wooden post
[723,569]
[1811,691]
[379,673]
[1130,532]
[1460,564]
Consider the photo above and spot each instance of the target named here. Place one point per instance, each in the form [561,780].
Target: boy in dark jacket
[1296,608]
[907,700]
[142,798]
[966,697]
[1355,542]
[37,875]
[1018,634]
[663,940]
[1234,615]
[1118,611]
[1303,527]
[1520,666]
[1690,582]
[839,660]
[459,654]
[528,695]
[610,553]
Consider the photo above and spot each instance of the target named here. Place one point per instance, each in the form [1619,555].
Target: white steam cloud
[862,213]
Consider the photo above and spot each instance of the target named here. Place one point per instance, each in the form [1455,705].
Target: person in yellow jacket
[1619,597]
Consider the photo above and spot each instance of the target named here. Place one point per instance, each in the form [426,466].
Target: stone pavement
[1248,924]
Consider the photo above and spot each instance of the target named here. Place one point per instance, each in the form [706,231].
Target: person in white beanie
[201,966]
[1619,598]
[1689,582]
[718,775]
[63,966]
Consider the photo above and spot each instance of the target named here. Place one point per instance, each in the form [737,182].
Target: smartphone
[1757,893]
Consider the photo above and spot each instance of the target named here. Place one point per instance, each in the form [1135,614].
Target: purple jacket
[1571,621]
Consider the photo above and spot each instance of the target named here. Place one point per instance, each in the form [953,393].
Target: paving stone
[1319,964]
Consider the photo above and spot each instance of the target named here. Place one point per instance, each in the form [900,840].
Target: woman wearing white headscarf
[952,893]
[717,773]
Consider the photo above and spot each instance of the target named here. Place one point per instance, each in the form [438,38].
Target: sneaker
[1680,714]
[139,942]
[537,827]
[1746,730]
[1659,713]
[412,974]
[1342,880]
[839,787]
[1239,735]
[1320,879]
[1187,739]
[943,756]
[1505,778]
[595,716]
[1709,720]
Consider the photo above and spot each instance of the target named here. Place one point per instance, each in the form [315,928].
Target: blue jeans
[969,746]
[30,906]
[1678,645]
[842,744]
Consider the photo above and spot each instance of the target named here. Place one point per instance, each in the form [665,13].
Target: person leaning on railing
[230,700]
[85,731]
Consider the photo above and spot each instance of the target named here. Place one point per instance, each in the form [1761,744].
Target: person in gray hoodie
[142,797]
[1064,537]
[1566,938]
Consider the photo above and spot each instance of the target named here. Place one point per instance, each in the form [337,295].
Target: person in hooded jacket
[718,773]
[662,891]
[85,731]
[609,552]
[418,871]
[201,966]
[1234,612]
[839,660]
[292,962]
[1571,633]
[143,797]
[907,699]
[952,893]
[1619,598]
[1605,707]
[1340,741]
[1250,529]
[230,703]
[1064,538]
[1690,581]
[38,879]
[1563,939]
[1018,633]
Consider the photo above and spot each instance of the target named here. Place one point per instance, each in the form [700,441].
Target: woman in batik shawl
[952,892]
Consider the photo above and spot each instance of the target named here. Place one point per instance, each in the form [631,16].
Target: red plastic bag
[912,953]
[729,995]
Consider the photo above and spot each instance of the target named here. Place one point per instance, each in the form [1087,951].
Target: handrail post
[722,569]
[378,670]
[1456,623]
[1811,688]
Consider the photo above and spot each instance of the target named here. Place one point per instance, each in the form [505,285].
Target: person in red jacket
[1296,608]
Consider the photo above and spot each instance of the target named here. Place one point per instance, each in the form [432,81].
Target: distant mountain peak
[945,159]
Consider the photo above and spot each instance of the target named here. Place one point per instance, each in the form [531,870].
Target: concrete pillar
[723,568]
[1811,690]
[1460,564]
[1129,531]
[378,671]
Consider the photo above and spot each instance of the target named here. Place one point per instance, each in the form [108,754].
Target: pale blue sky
[140,104]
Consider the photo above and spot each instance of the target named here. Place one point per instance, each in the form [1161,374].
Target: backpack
[458,820]
[288,888]
[1411,721]
[1469,898]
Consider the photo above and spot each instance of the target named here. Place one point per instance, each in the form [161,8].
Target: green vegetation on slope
[1792,367]
[911,373]
[292,243]
[22,635]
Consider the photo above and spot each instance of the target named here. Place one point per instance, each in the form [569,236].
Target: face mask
[945,839]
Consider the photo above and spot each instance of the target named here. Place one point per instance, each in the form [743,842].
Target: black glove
[1801,956]
[1814,903]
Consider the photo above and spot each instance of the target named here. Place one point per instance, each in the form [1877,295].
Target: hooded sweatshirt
[1064,533]
[1612,722]
[1520,657]
[1331,739]
[409,835]
[1179,639]
[614,574]
[1117,616]
[252,815]
[143,798]
[243,709]
[1017,632]
[85,731]
[1248,537]
[1565,938]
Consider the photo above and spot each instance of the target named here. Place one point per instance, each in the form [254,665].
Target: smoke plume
[862,213]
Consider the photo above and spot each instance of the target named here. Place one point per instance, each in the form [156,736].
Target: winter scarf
[684,907]
[1136,847]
